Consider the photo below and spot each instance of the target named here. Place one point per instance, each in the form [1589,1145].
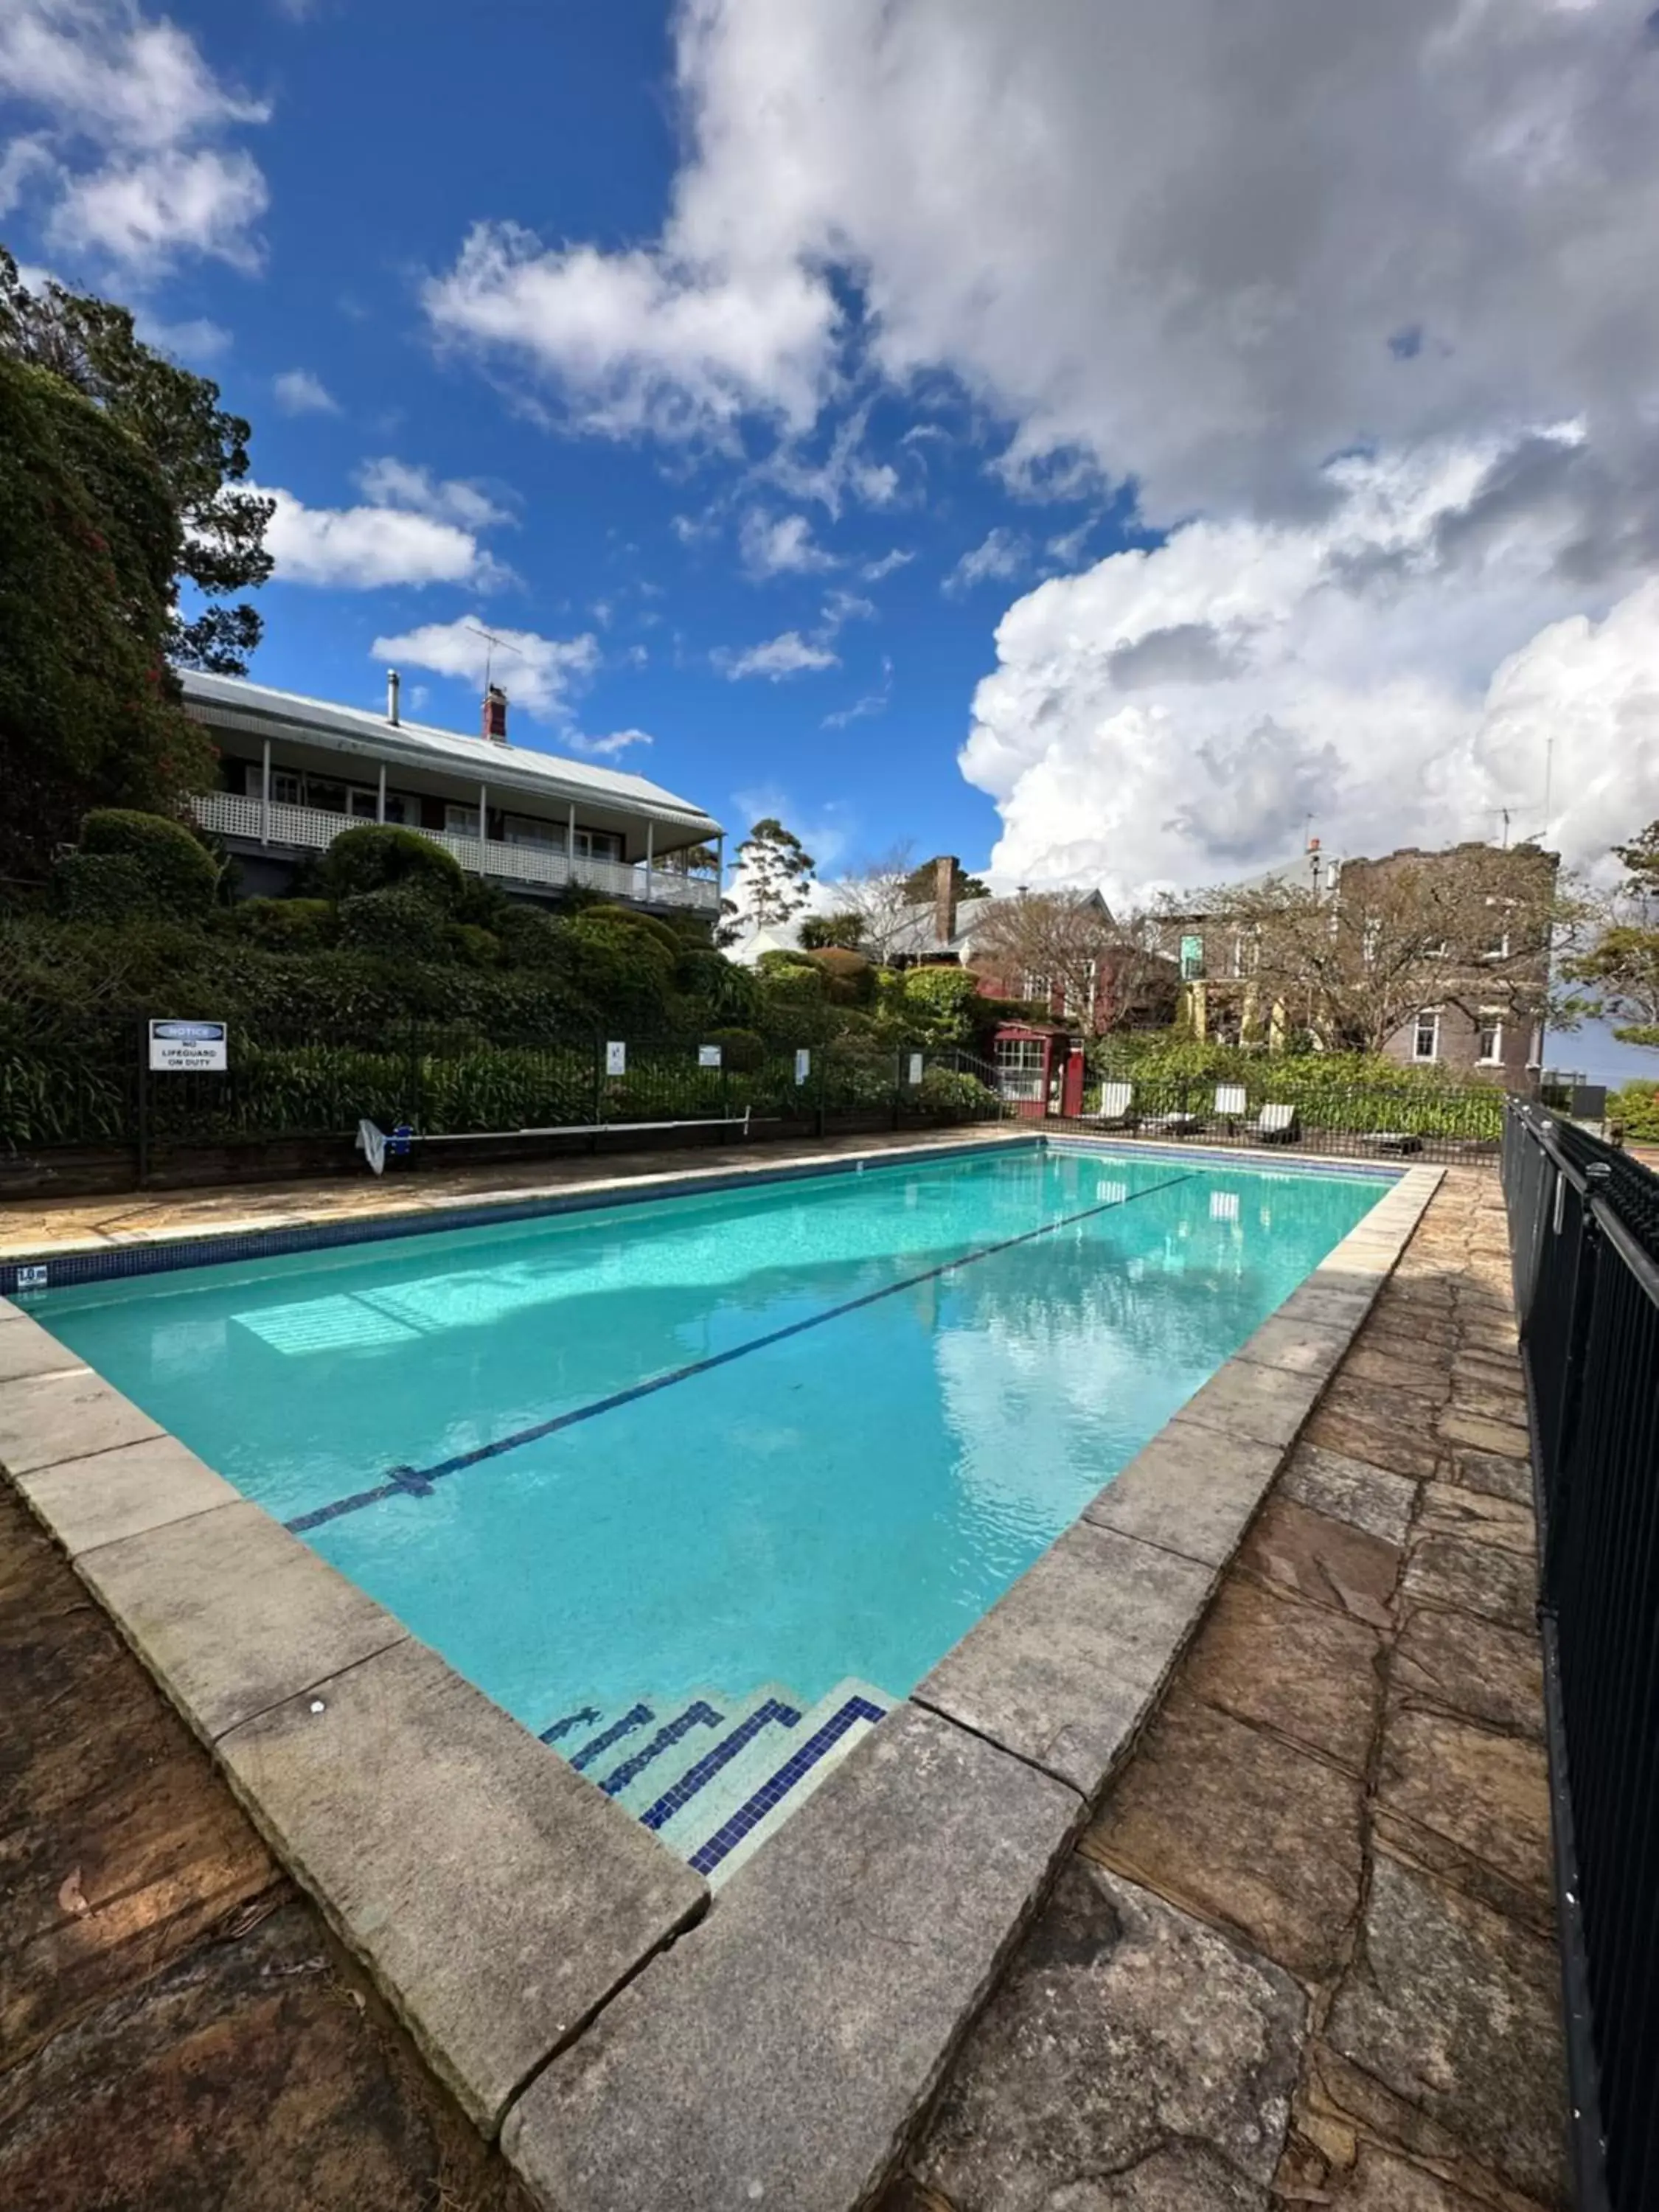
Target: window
[1489,1038]
[1425,1037]
[1034,986]
[287,788]
[1019,1067]
[461,821]
[1192,959]
[527,829]
[598,845]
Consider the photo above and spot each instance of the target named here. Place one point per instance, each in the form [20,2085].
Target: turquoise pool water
[792,1434]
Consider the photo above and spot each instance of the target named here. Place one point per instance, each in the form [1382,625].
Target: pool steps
[715,1777]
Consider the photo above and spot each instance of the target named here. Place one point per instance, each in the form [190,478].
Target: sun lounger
[1274,1125]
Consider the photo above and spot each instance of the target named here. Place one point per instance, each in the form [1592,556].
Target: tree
[878,892]
[89,713]
[776,870]
[919,884]
[1621,963]
[199,450]
[1057,946]
[821,933]
[1472,928]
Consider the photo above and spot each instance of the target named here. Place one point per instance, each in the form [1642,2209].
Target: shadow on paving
[178,2032]
[1305,1952]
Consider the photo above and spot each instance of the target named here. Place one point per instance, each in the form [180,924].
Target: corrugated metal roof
[232,701]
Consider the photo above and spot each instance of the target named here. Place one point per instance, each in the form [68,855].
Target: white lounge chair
[1230,1104]
[1274,1125]
[1116,1107]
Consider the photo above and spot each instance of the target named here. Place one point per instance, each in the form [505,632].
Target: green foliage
[88,711]
[382,856]
[648,925]
[196,452]
[722,990]
[1642,1033]
[181,873]
[285,924]
[741,1051]
[1636,1107]
[777,868]
[820,932]
[398,923]
[529,937]
[921,882]
[945,1092]
[849,979]
[626,972]
[477,947]
[936,1004]
[109,888]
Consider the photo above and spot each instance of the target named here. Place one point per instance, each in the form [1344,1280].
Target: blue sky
[392,129]
[931,420]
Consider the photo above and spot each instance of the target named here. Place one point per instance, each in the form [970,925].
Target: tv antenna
[1503,813]
[493,644]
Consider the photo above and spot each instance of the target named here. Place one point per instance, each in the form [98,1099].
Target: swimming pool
[718,1473]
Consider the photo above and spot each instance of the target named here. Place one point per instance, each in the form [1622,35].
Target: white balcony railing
[231,815]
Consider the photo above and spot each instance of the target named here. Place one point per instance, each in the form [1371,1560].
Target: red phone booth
[1039,1069]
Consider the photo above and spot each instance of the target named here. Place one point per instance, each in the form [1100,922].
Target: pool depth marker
[416,1482]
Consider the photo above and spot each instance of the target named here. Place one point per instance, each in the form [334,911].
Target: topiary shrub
[285,924]
[181,875]
[729,993]
[107,888]
[474,944]
[398,923]
[619,970]
[529,936]
[380,856]
[849,978]
[742,1053]
[649,925]
[938,1005]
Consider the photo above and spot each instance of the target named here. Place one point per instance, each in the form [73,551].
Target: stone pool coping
[632,2046]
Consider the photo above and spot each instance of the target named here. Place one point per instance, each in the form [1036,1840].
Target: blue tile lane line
[696,1715]
[68,1269]
[637,1716]
[773,1792]
[407,1481]
[713,1762]
[585,1718]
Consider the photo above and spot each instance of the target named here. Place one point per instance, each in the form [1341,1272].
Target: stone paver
[1242,1828]
[1126,2039]
[779,2053]
[178,2032]
[503,1896]
[1328,1561]
[120,1493]
[1193,1489]
[1301,1670]
[1344,1489]
[1464,1664]
[26,1349]
[1267,1404]
[1485,1791]
[1063,1669]
[231,1614]
[1470,1576]
[1454,2008]
[47,1417]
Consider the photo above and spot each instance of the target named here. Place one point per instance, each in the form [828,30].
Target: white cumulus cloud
[608,748]
[360,549]
[1000,554]
[299,392]
[392,483]
[132,151]
[788,655]
[780,545]
[539,674]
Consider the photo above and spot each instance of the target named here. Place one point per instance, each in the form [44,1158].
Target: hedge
[382,857]
[180,874]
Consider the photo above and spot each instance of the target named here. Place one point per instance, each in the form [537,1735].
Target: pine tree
[776,871]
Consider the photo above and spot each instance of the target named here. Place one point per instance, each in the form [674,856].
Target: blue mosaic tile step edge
[721,1768]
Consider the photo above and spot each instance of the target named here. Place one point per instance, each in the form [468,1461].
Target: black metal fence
[1281,1107]
[1584,1234]
[285,1085]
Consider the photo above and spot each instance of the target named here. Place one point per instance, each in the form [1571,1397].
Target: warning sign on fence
[188,1047]
[615,1059]
[708,1055]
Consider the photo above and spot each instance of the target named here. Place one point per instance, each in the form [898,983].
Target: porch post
[650,837]
[483,829]
[570,847]
[264,809]
[380,803]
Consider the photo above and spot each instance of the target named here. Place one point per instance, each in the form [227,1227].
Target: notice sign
[916,1067]
[708,1055]
[188,1047]
[616,1059]
[803,1065]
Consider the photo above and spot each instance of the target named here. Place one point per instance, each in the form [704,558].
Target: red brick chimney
[945,897]
[495,714]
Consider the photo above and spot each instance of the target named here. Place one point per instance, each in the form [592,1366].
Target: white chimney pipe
[392,681]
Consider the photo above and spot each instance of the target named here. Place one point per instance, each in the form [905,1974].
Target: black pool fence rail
[1584,1237]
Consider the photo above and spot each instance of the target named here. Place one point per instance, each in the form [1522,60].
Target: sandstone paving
[1345,1783]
